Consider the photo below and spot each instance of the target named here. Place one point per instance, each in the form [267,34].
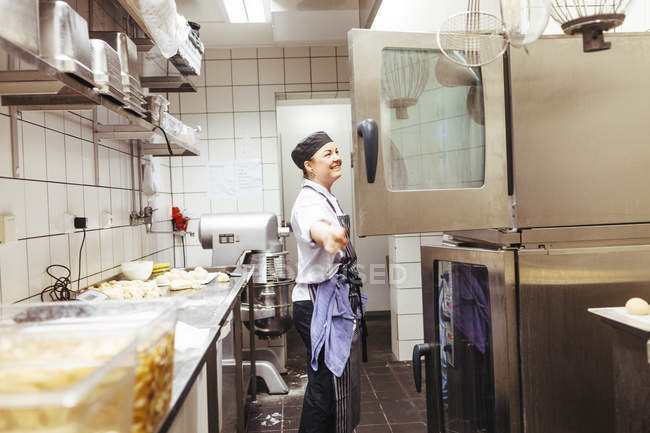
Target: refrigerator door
[430,153]
[470,314]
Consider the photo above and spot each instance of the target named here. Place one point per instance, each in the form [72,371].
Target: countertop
[207,309]
[616,316]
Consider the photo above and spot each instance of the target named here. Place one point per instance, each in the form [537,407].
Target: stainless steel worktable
[209,309]
[631,360]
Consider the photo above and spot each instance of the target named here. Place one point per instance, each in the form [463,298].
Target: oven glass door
[431,147]
[466,363]
[470,330]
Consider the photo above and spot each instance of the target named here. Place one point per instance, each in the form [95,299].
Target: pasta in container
[152,321]
[66,379]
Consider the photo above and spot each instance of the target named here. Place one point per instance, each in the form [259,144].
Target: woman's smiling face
[325,166]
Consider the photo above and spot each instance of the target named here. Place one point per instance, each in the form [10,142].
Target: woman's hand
[335,240]
[331,238]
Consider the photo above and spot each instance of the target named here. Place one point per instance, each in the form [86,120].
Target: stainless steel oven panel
[580,132]
[503,309]
[380,211]
[567,367]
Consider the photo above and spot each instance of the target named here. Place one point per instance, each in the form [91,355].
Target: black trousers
[319,406]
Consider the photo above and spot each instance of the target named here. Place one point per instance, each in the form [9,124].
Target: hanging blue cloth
[471,305]
[332,324]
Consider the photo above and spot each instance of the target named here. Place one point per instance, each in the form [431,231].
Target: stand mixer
[255,239]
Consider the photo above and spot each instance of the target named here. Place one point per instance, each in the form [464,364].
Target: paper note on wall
[221,180]
[230,180]
[249,178]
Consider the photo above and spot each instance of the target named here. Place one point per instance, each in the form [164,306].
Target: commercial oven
[548,136]
[509,344]
[536,168]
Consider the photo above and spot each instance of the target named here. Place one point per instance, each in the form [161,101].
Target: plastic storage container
[154,321]
[66,379]
[156,106]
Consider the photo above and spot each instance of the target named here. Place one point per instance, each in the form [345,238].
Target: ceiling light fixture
[247,11]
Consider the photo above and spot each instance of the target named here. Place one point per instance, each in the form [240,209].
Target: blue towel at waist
[332,324]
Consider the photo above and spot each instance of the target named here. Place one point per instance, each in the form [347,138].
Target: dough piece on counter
[199,274]
[162,280]
[180,285]
[637,307]
[222,278]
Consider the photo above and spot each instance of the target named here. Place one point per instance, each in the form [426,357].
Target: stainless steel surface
[20,24]
[106,69]
[145,131]
[276,296]
[269,267]
[231,234]
[380,211]
[128,54]
[616,315]
[172,83]
[488,237]
[64,41]
[17,169]
[367,12]
[568,109]
[28,83]
[610,235]
[566,358]
[207,309]
[502,299]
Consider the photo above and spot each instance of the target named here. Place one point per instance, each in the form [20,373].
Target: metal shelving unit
[46,88]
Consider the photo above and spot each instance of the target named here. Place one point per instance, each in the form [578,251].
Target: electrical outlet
[7,229]
[68,222]
[107,220]
[80,222]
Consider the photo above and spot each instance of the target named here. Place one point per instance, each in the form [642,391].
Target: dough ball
[199,274]
[175,275]
[180,285]
[162,280]
[637,306]
[222,278]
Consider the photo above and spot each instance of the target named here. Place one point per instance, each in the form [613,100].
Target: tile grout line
[381,407]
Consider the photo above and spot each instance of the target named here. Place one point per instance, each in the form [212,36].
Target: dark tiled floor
[389,402]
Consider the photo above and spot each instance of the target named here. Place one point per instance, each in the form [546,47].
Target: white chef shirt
[315,265]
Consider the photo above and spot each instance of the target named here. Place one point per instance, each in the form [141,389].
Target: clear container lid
[62,365]
[148,318]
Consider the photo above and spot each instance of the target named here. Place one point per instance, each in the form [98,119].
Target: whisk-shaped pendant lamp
[405,76]
[590,18]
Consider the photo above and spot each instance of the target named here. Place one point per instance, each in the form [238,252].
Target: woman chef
[327,303]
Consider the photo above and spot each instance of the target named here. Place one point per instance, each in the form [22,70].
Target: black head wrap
[308,146]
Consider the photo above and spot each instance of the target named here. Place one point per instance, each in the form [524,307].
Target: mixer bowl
[277,297]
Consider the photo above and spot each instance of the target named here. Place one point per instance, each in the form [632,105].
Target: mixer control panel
[228,238]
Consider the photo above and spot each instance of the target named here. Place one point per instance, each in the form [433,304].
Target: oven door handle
[367,129]
[420,350]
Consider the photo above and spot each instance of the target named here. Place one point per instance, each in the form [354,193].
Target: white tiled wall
[406,290]
[58,177]
[235,106]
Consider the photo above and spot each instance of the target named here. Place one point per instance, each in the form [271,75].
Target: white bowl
[139,270]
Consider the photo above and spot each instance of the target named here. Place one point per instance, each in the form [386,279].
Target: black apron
[347,388]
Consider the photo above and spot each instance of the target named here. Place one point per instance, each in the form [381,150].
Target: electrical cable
[169,147]
[83,240]
[62,287]
[59,291]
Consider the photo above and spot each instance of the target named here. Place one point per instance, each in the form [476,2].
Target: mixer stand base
[267,371]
